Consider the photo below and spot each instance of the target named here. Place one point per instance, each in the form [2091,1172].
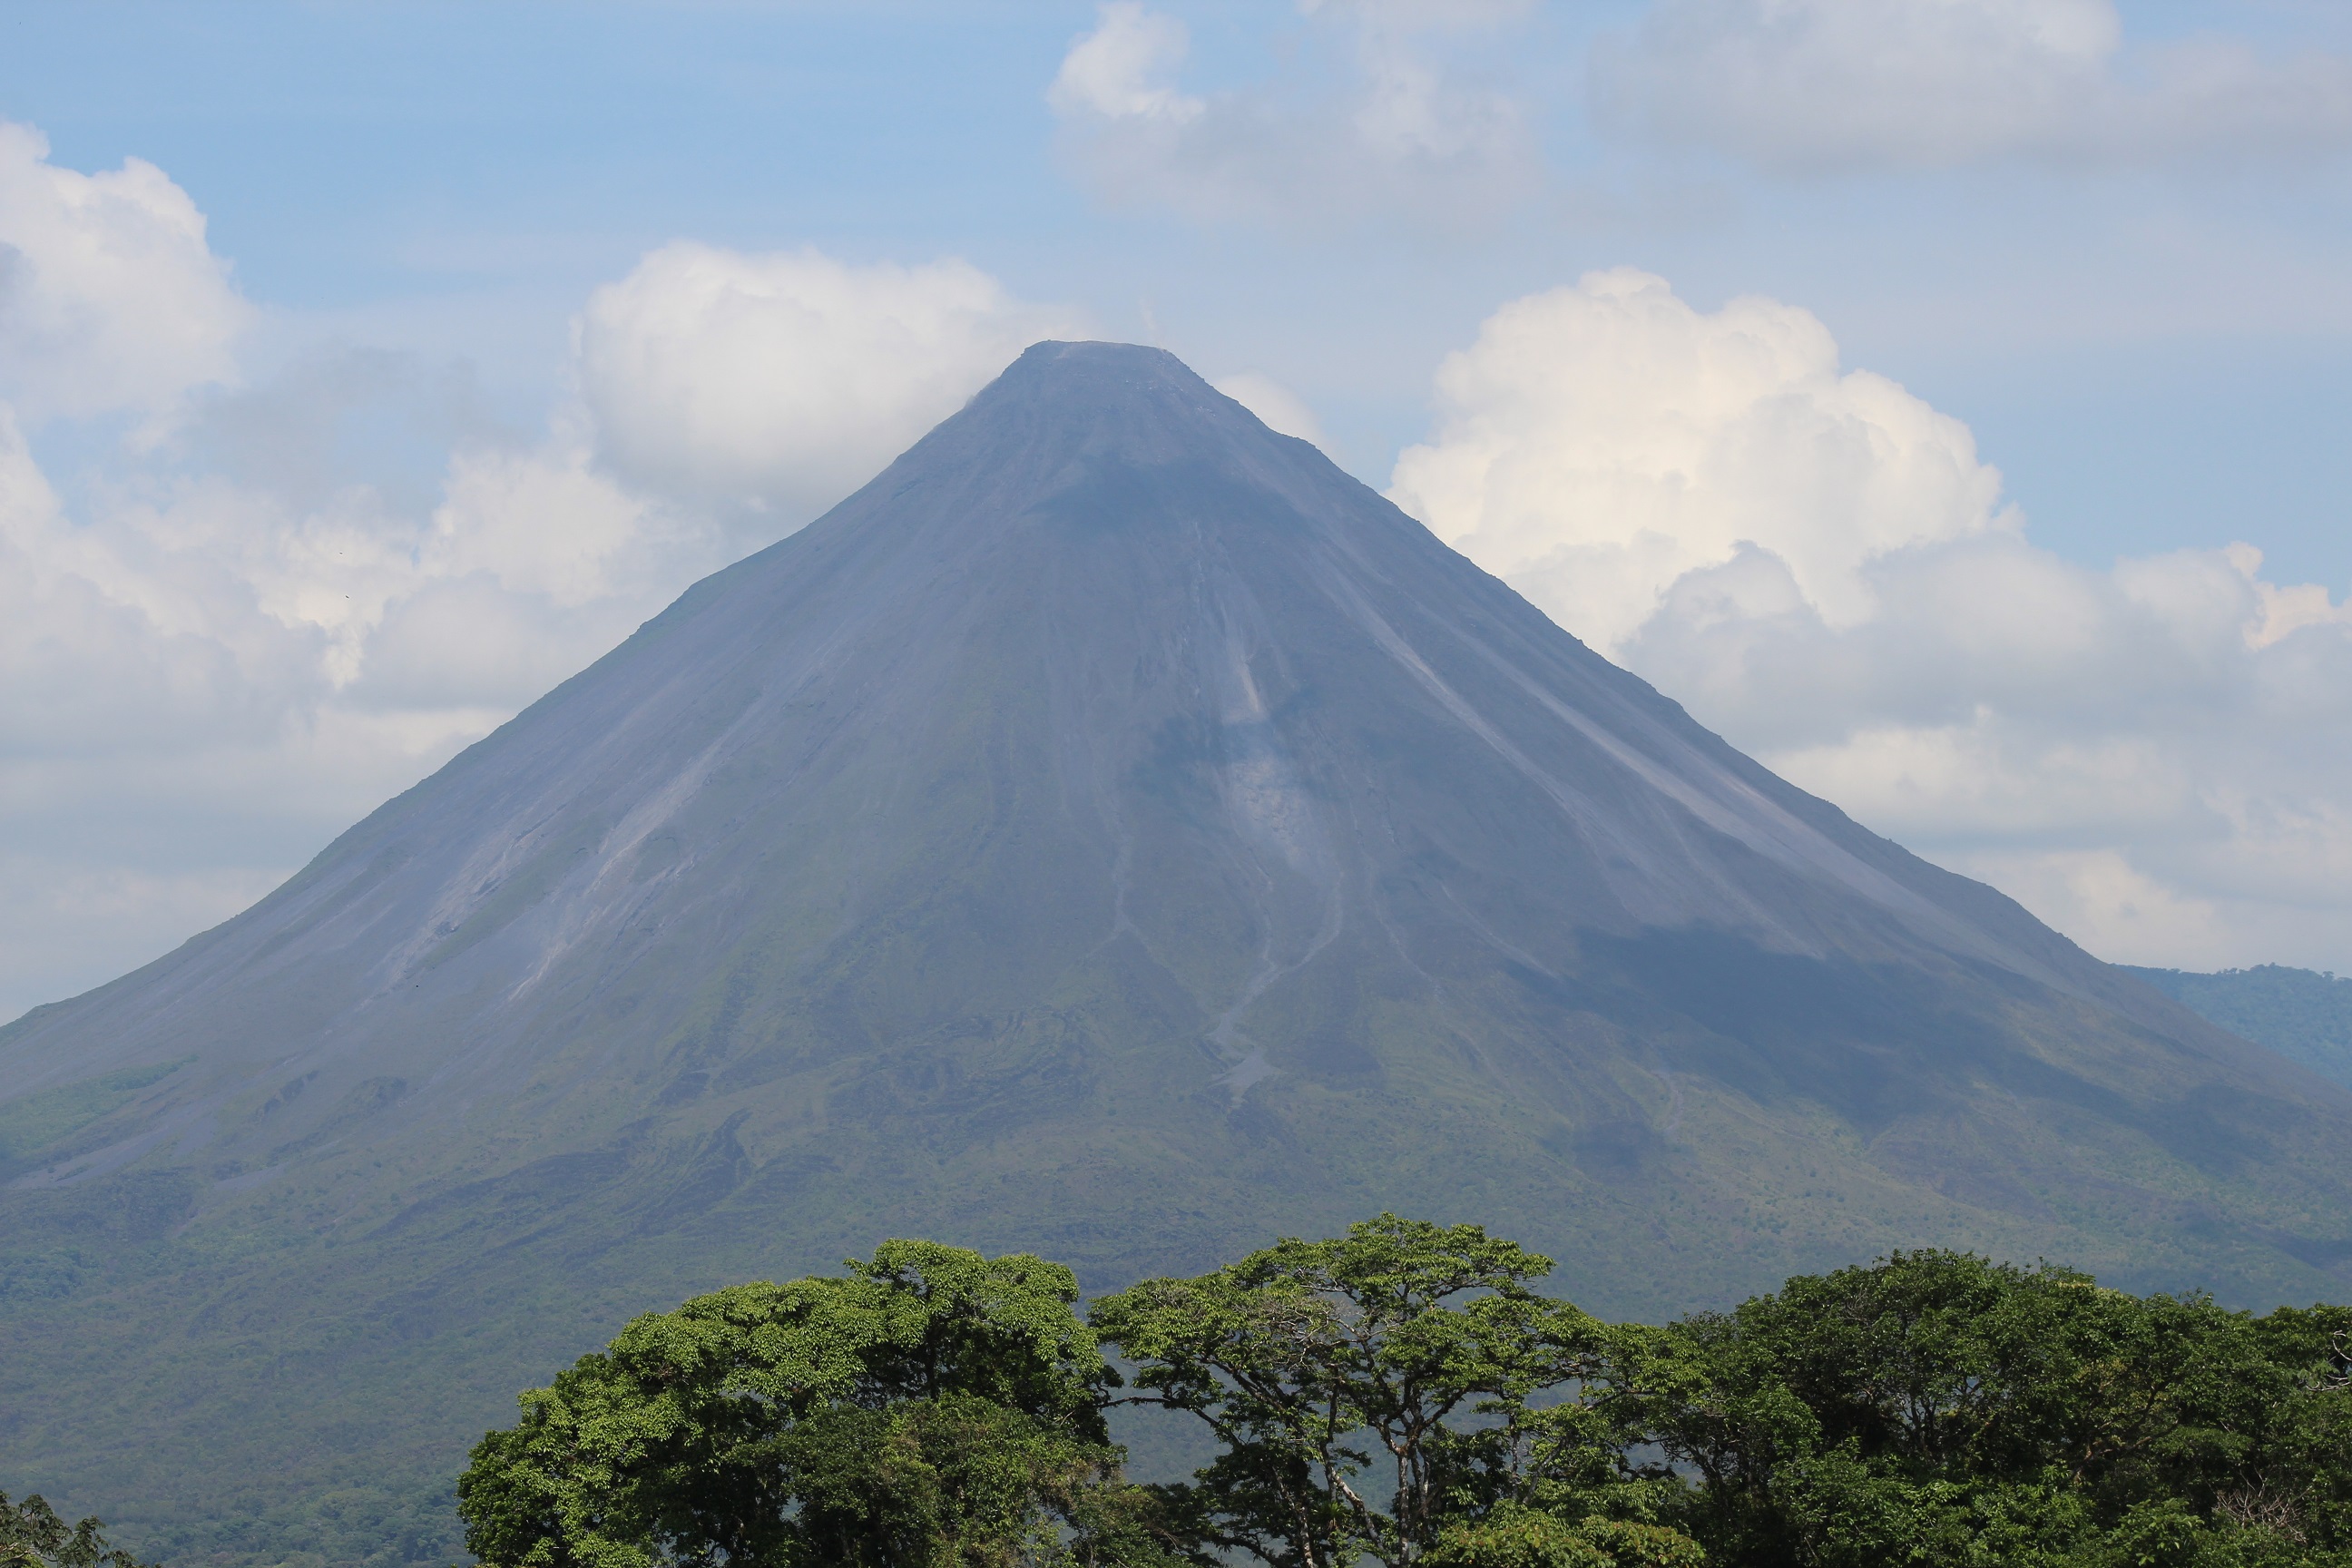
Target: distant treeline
[2303,1015]
[1401,1394]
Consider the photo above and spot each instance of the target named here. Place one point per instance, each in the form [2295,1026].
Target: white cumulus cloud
[785,380]
[1402,134]
[2157,757]
[1926,83]
[1116,70]
[109,298]
[1600,441]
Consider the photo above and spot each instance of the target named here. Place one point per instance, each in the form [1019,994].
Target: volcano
[1114,833]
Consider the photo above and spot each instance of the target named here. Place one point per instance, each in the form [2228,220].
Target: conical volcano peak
[1069,377]
[1113,833]
[1091,403]
[1130,365]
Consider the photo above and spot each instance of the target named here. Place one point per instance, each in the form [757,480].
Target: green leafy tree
[1366,1391]
[932,1407]
[1403,1393]
[952,1479]
[33,1536]
[1940,1408]
[1530,1538]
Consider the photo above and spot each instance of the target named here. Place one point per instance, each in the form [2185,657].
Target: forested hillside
[2302,1015]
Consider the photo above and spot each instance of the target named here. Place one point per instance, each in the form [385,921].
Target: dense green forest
[1403,1394]
[2303,1015]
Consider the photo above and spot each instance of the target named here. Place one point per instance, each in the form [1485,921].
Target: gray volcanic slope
[1113,832]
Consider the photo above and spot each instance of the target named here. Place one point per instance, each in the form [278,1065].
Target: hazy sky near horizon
[1950,401]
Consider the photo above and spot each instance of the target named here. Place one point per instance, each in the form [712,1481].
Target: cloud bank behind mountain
[1822,568]
[229,626]
[242,600]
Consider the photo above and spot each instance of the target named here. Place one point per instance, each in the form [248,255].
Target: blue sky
[459,176]
[2107,243]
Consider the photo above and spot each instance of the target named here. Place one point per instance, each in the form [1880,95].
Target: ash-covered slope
[1113,832]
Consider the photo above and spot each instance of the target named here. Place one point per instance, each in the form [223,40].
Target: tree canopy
[1404,1395]
[930,1408]
[1364,1390]
[1939,1408]
[33,1536]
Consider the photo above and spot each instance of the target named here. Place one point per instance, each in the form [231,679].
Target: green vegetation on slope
[40,1122]
[2302,1015]
[1402,1396]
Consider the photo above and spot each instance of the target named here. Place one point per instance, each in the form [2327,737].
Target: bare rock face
[1114,833]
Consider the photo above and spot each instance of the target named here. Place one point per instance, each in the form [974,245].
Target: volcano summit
[1113,832]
